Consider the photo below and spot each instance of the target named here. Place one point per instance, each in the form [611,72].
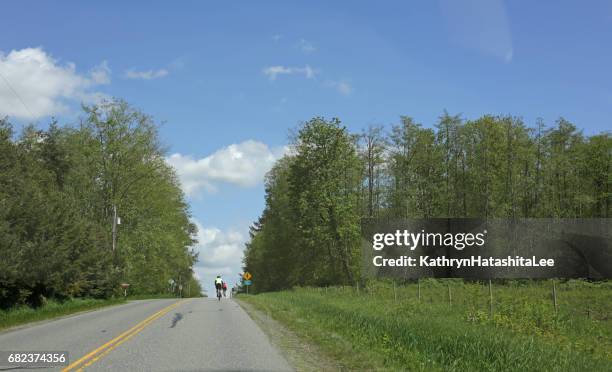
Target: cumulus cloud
[145,75]
[306,46]
[220,248]
[243,164]
[220,252]
[33,84]
[272,72]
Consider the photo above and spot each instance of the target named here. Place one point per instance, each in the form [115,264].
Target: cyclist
[224,289]
[219,285]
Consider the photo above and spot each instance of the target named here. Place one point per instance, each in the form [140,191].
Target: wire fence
[540,300]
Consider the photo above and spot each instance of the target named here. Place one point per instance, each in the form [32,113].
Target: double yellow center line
[101,351]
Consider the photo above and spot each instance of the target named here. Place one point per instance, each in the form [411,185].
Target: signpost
[125,287]
[247,280]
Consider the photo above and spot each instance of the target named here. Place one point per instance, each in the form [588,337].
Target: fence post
[555,296]
[490,300]
[419,288]
[450,299]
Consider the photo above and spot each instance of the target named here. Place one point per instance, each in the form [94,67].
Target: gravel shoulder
[301,355]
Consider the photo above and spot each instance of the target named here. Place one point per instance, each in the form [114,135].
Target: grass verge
[380,328]
[53,309]
[302,356]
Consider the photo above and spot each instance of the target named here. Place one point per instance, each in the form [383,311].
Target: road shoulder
[301,355]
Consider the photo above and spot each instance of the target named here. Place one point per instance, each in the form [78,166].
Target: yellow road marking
[92,353]
[122,337]
[112,347]
[105,352]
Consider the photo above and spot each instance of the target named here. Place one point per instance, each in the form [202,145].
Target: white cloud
[220,248]
[306,46]
[145,75]
[341,87]
[220,252]
[101,73]
[243,164]
[273,71]
[33,84]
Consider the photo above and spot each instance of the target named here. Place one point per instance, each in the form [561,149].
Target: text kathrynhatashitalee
[472,261]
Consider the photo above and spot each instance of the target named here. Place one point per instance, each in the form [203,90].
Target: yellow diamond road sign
[247,276]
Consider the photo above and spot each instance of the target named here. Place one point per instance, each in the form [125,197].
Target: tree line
[494,166]
[59,189]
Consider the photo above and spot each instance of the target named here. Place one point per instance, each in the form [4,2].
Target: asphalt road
[155,335]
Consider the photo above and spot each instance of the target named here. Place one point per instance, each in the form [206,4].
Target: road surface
[199,334]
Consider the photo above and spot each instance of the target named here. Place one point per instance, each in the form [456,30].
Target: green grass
[370,329]
[53,309]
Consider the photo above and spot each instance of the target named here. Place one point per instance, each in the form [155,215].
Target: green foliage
[51,309]
[494,166]
[378,327]
[58,189]
[323,191]
[309,230]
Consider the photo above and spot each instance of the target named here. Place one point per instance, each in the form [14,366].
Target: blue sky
[230,80]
